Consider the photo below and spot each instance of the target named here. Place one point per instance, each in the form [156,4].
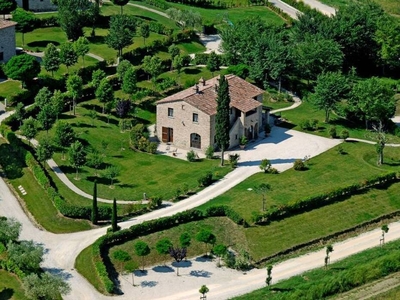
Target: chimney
[202,81]
[196,87]
[216,87]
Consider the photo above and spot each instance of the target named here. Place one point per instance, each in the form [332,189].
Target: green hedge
[299,206]
[101,246]
[66,209]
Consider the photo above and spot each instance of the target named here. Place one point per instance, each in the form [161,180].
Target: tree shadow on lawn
[42,44]
[182,264]
[98,39]
[110,121]
[191,71]
[96,107]
[140,273]
[6,294]
[102,180]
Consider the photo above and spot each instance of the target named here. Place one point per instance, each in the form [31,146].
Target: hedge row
[66,209]
[299,5]
[318,241]
[295,207]
[158,3]
[100,247]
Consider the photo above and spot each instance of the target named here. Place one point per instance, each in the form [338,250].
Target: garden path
[369,142]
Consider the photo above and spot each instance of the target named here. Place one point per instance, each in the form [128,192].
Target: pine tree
[222,124]
[95,213]
[114,217]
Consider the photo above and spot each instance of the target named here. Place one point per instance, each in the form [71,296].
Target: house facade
[187,118]
[37,5]
[7,40]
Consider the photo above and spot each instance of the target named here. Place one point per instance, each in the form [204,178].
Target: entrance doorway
[167,135]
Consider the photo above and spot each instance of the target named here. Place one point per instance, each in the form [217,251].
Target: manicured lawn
[227,233]
[155,175]
[233,14]
[190,75]
[62,71]
[326,172]
[10,287]
[40,37]
[192,47]
[269,239]
[109,9]
[365,266]
[10,87]
[307,112]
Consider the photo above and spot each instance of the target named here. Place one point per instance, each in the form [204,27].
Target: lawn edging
[319,241]
[276,213]
[99,248]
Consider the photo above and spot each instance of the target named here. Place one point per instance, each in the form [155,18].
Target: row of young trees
[23,258]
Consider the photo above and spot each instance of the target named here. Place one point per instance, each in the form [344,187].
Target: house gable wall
[7,42]
[183,125]
[39,5]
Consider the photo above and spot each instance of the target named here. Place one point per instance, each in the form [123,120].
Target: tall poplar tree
[114,224]
[222,124]
[95,212]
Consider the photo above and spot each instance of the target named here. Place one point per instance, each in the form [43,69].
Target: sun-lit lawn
[307,112]
[9,87]
[109,9]
[10,287]
[155,175]
[234,14]
[326,172]
[40,37]
[390,6]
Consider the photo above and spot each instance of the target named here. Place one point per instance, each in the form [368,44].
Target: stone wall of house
[7,42]
[183,125]
[38,5]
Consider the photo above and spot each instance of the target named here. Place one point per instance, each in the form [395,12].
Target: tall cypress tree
[95,212]
[222,124]
[114,217]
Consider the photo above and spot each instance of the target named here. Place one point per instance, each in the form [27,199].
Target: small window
[170,112]
[236,137]
[1,56]
[195,118]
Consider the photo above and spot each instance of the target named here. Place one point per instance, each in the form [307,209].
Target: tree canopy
[222,121]
[72,15]
[22,67]
[121,33]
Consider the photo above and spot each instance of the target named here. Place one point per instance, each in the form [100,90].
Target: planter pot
[242,146]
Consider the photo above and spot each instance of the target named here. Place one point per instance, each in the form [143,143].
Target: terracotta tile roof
[4,24]
[241,92]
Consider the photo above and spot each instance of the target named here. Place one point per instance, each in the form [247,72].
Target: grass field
[234,14]
[10,87]
[227,233]
[365,266]
[307,112]
[327,171]
[10,287]
[155,175]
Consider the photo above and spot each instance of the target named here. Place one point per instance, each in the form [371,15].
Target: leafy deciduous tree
[64,136]
[72,15]
[22,67]
[142,250]
[120,34]
[81,47]
[262,189]
[45,150]
[97,76]
[144,31]
[6,7]
[10,229]
[51,59]
[77,156]
[129,82]
[25,21]
[44,286]
[207,237]
[68,55]
[74,88]
[104,93]
[29,128]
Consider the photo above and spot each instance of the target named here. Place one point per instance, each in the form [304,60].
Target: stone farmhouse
[187,118]
[37,5]
[7,40]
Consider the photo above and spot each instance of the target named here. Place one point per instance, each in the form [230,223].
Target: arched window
[195,141]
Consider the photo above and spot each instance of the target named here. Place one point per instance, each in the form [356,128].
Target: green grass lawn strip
[11,287]
[85,267]
[10,87]
[361,265]
[155,175]
[326,172]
